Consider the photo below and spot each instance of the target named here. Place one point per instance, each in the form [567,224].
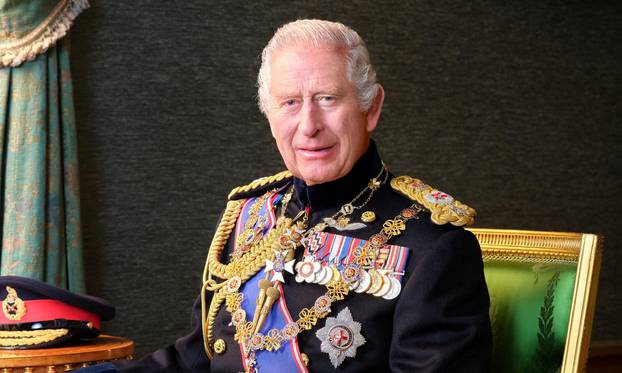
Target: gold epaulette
[261,182]
[443,207]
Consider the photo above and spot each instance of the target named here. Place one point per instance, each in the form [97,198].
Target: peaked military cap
[37,315]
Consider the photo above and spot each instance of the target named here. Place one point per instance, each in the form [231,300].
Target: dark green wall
[513,108]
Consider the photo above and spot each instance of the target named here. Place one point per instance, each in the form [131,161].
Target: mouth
[315,152]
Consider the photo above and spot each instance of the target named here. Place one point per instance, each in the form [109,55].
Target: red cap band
[47,309]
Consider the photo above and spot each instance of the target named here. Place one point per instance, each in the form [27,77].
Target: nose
[310,123]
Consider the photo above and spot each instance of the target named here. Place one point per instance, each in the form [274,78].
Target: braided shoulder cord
[227,223]
[225,227]
[245,267]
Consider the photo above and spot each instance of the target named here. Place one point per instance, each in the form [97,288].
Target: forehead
[308,68]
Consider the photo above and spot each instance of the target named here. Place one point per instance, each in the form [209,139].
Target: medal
[340,337]
[279,265]
[306,270]
[396,288]
[327,275]
[364,283]
[386,286]
[376,281]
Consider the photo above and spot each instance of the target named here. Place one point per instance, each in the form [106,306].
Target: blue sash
[287,358]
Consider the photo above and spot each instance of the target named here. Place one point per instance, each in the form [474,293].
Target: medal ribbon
[331,248]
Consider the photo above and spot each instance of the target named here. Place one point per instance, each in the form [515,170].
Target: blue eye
[327,100]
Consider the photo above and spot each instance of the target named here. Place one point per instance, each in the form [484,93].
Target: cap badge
[13,307]
[340,337]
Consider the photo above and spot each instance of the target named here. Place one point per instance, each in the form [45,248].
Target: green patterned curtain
[40,197]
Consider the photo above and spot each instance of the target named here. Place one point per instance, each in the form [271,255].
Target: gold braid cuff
[260,182]
[443,207]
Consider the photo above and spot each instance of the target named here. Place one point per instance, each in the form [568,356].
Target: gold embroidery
[443,207]
[12,306]
[260,182]
[30,337]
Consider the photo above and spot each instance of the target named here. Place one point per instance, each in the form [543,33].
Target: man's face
[314,113]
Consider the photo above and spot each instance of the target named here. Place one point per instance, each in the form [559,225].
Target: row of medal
[378,282]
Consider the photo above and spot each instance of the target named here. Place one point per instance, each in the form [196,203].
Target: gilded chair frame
[581,248]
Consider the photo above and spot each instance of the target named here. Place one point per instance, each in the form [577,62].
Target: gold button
[305,359]
[220,346]
[368,216]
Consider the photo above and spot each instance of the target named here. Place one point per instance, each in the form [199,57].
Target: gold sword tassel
[272,294]
[263,285]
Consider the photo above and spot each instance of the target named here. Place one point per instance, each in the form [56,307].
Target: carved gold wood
[535,246]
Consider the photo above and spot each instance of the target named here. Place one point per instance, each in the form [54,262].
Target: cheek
[280,126]
[283,139]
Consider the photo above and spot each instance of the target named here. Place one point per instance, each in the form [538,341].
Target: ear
[373,114]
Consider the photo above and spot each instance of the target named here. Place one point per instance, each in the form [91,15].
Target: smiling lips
[315,152]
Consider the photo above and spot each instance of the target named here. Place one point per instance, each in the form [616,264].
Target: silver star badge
[340,337]
[279,265]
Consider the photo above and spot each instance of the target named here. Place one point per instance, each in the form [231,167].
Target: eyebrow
[333,91]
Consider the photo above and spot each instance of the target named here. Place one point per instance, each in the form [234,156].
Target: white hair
[360,71]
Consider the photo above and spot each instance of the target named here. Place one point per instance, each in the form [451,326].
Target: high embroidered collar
[338,192]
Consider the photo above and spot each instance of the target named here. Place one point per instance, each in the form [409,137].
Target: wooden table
[67,358]
[605,356]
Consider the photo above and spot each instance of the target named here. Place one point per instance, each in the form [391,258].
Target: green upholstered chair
[543,291]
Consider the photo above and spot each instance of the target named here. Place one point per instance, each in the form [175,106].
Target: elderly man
[334,264]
